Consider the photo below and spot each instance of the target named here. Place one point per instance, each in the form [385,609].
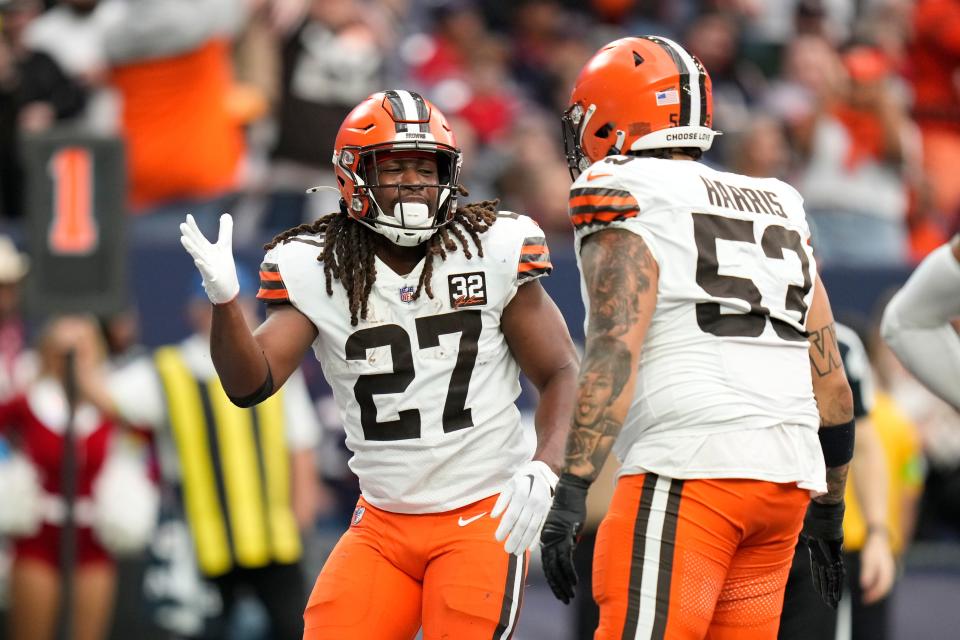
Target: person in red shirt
[35,421]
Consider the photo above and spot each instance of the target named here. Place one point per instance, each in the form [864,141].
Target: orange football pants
[692,559]
[390,573]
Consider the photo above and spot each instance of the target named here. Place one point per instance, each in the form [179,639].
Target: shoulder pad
[282,258]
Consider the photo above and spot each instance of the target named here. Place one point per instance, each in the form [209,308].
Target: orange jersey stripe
[272,276]
[602,216]
[273,294]
[530,266]
[533,248]
[602,201]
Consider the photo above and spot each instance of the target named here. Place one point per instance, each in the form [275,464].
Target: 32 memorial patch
[467,289]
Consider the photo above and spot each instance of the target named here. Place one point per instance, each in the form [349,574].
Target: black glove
[560,534]
[823,535]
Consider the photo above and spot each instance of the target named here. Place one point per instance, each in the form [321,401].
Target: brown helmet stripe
[683,74]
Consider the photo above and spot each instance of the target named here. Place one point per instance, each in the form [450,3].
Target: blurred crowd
[233,105]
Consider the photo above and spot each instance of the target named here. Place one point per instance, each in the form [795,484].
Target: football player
[422,312]
[706,279]
[917,322]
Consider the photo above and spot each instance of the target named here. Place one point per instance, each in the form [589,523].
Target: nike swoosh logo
[594,176]
[463,523]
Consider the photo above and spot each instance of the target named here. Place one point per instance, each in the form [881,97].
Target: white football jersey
[724,386]
[425,387]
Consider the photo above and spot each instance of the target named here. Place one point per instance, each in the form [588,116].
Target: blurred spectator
[35,94]
[829,19]
[714,39]
[331,60]
[934,59]
[904,466]
[535,174]
[38,421]
[171,66]
[464,69]
[246,477]
[15,363]
[72,32]
[16,366]
[812,73]
[443,54]
[489,102]
[902,447]
[881,506]
[771,26]
[761,150]
[856,147]
[548,51]
[121,336]
[868,555]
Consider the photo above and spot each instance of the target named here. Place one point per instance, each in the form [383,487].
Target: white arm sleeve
[916,324]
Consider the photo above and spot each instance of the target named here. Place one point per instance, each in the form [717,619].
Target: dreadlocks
[348,249]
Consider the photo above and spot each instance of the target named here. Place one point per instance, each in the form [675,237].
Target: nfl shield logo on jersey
[358,515]
[406,294]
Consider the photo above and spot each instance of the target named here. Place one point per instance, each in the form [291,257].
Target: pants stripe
[651,564]
[512,597]
[636,559]
[667,548]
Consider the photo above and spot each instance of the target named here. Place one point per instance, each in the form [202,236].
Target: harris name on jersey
[742,198]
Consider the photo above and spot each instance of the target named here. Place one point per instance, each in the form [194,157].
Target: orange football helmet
[637,94]
[390,121]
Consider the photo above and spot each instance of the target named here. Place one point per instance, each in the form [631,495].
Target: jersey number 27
[429,329]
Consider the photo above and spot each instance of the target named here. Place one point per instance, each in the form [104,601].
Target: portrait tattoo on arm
[617,268]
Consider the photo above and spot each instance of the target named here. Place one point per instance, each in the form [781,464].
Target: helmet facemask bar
[573,122]
[361,164]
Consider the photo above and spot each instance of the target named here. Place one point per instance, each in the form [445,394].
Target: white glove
[524,503]
[215,261]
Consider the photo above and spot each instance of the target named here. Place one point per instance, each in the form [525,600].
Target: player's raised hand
[214,261]
[823,534]
[560,534]
[524,503]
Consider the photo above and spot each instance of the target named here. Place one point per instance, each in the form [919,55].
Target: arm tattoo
[617,268]
[824,351]
[836,484]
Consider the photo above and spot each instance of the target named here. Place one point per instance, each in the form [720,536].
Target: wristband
[837,443]
[258,396]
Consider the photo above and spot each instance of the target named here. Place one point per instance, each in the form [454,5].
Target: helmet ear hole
[604,131]
[341,181]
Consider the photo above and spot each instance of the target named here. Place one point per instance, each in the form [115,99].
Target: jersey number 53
[775,241]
